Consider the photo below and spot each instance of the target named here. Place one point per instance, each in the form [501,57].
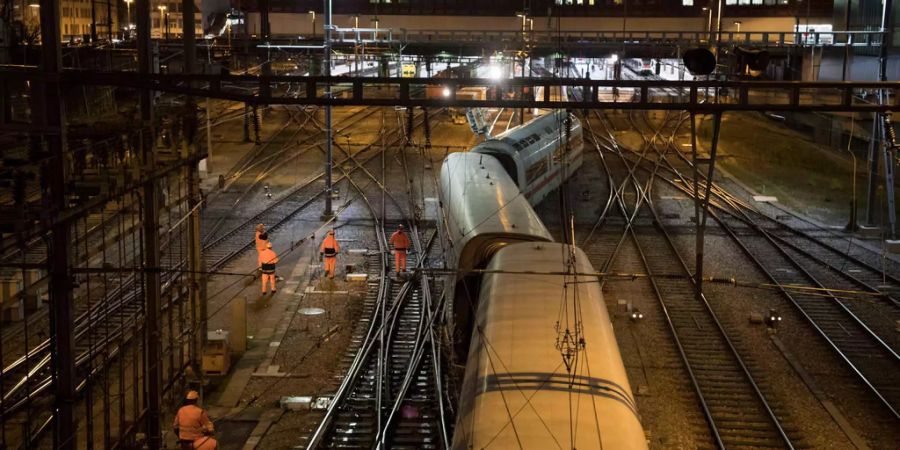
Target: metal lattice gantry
[697,95]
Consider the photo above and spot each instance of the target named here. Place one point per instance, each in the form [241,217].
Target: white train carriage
[488,194]
[485,213]
[517,392]
[536,155]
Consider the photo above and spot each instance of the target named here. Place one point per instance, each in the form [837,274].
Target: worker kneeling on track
[329,251]
[192,425]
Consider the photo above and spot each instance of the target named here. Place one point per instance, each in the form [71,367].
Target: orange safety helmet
[192,395]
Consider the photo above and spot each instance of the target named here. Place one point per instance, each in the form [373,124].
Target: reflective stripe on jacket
[267,260]
[330,246]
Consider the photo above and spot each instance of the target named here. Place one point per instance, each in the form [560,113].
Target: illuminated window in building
[687,2]
[744,2]
[731,2]
[757,2]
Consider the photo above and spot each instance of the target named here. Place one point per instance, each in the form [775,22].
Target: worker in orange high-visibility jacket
[400,241]
[329,250]
[262,238]
[267,261]
[192,425]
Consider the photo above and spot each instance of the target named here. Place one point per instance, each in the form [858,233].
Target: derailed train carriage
[519,390]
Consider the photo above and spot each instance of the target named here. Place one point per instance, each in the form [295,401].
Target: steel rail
[842,354]
[209,234]
[424,333]
[282,199]
[376,328]
[708,413]
[741,205]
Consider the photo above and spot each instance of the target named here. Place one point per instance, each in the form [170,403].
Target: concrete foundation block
[869,231]
[892,245]
[357,277]
[296,403]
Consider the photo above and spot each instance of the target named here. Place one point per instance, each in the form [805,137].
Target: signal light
[636,315]
[699,61]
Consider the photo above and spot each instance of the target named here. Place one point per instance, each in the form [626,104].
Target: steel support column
[878,132]
[889,148]
[328,138]
[872,182]
[701,199]
[191,175]
[142,15]
[150,205]
[49,107]
[265,36]
[152,332]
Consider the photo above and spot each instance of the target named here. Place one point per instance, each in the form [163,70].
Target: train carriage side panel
[537,148]
[517,391]
[485,212]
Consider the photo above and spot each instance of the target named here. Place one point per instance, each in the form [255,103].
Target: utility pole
[151,254]
[877,144]
[93,21]
[49,112]
[328,213]
[190,151]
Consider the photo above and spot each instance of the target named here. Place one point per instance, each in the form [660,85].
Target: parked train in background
[643,66]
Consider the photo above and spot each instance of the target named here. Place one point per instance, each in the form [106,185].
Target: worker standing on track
[192,426]
[261,238]
[400,241]
[267,260]
[329,249]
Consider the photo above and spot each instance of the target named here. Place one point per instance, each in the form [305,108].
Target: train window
[536,171]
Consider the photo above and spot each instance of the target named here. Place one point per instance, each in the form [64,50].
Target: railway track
[738,414]
[245,180]
[103,327]
[229,244]
[796,263]
[391,395]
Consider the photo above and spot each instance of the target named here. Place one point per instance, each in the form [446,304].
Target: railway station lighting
[446,92]
[495,72]
[613,58]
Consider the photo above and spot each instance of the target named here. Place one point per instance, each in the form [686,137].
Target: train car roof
[484,200]
[520,316]
[523,137]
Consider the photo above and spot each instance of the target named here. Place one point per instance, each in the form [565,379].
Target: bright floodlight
[495,73]
[446,92]
[614,57]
